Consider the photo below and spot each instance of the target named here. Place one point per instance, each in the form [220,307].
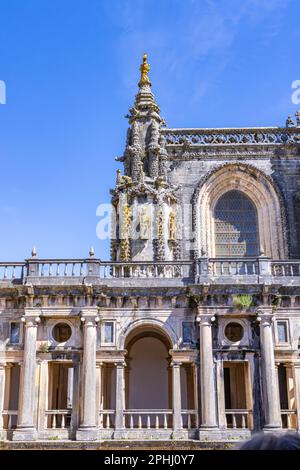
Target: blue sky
[71,73]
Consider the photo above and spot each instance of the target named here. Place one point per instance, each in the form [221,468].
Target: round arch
[260,189]
[151,325]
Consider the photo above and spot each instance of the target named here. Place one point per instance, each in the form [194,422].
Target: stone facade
[168,340]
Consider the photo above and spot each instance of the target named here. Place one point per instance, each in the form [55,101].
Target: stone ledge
[120,445]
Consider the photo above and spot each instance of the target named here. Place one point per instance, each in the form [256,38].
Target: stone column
[2,392]
[176,400]
[290,383]
[207,374]
[120,400]
[269,374]
[26,428]
[297,384]
[88,429]
[99,395]
[43,396]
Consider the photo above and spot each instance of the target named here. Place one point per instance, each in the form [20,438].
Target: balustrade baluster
[50,269]
[73,269]
[65,269]
[131,421]
[9,424]
[108,421]
[243,422]
[13,272]
[165,421]
[114,271]
[81,269]
[5,273]
[57,269]
[233,421]
[54,421]
[140,422]
[63,421]
[148,422]
[157,422]
[189,421]
[122,270]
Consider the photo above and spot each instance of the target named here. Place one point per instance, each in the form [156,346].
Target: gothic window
[236,231]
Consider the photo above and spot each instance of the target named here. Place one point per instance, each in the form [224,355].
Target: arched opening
[260,190]
[154,384]
[148,377]
[236,228]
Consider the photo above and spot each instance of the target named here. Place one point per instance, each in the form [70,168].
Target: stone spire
[144,100]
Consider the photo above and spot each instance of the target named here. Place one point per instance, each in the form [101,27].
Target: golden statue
[144,224]
[172,225]
[144,68]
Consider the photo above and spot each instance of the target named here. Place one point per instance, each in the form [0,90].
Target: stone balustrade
[238,419]
[289,419]
[239,136]
[192,272]
[58,419]
[148,419]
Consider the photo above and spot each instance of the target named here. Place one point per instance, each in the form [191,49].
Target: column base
[178,434]
[119,434]
[25,434]
[87,434]
[272,428]
[209,433]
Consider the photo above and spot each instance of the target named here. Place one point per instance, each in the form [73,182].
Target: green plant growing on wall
[276,302]
[242,301]
[44,347]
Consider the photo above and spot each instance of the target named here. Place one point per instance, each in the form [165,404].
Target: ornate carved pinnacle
[144,68]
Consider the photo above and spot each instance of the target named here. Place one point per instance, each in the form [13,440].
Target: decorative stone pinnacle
[33,252]
[91,252]
[144,68]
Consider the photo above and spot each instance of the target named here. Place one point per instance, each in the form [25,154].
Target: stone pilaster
[26,428]
[207,374]
[297,384]
[269,374]
[88,427]
[176,401]
[120,399]
[2,392]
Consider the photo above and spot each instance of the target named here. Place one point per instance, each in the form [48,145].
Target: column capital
[206,319]
[120,364]
[265,319]
[175,364]
[89,317]
[31,319]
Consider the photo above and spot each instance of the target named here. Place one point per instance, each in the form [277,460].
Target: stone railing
[289,419]
[238,419]
[106,419]
[9,419]
[58,419]
[238,136]
[189,419]
[202,270]
[148,419]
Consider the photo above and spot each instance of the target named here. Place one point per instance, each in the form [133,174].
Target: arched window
[236,231]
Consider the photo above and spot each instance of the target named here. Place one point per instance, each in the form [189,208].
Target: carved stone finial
[297,115]
[290,121]
[144,68]
[92,252]
[33,252]
[118,180]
